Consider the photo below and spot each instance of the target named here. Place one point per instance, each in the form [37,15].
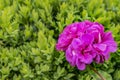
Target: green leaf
[42,41]
[103,73]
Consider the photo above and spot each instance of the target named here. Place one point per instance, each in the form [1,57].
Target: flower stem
[102,78]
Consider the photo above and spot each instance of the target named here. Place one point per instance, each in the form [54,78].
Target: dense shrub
[29,30]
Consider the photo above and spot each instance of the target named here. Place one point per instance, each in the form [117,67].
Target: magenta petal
[97,59]
[62,43]
[87,22]
[87,38]
[108,36]
[93,53]
[74,60]
[77,43]
[109,41]
[81,27]
[80,65]
[95,27]
[88,49]
[112,46]
[71,56]
[107,56]
[73,29]
[101,47]
[87,58]
[102,59]
[98,27]
[60,47]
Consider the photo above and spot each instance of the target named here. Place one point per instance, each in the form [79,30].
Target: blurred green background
[29,30]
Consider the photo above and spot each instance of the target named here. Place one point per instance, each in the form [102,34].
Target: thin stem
[102,78]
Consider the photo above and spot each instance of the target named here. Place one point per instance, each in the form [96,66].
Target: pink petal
[93,53]
[97,59]
[77,44]
[107,56]
[70,56]
[108,36]
[87,58]
[80,65]
[81,27]
[112,46]
[100,47]
[87,38]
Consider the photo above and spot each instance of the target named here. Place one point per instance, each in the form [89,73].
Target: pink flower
[85,42]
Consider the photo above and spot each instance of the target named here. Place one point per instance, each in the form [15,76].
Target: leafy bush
[29,30]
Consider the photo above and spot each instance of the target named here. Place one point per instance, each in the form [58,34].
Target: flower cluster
[85,42]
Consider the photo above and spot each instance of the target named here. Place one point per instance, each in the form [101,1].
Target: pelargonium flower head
[85,42]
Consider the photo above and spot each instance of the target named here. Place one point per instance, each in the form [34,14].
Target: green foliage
[29,30]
